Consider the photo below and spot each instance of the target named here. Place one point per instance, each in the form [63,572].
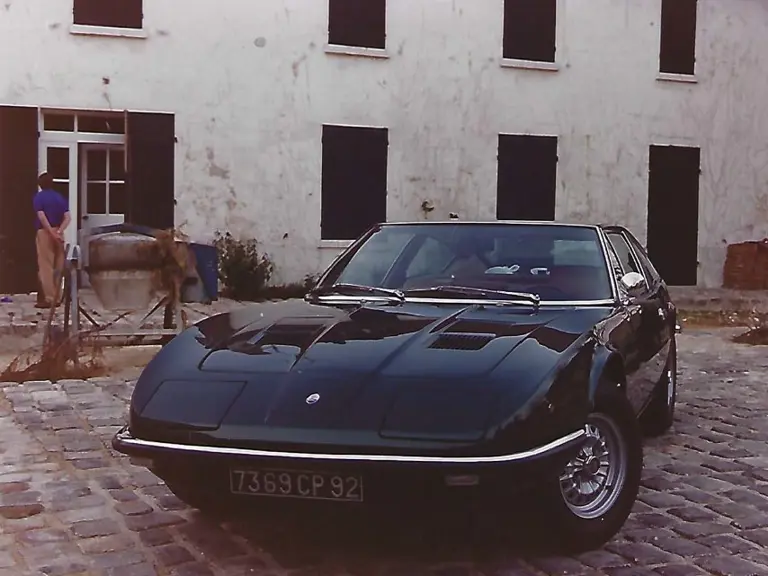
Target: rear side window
[624,253]
[650,272]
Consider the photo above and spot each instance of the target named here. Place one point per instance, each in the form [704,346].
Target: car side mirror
[633,283]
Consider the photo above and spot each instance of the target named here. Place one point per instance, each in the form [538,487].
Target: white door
[102,189]
[60,161]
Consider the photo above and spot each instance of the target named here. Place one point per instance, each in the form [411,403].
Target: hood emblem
[312,398]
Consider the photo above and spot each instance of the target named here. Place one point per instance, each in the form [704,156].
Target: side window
[624,253]
[613,261]
[645,262]
[432,258]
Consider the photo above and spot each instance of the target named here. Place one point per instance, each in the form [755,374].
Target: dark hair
[45,180]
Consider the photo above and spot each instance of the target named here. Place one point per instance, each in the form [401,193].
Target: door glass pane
[117,165]
[58,163]
[97,165]
[97,198]
[62,187]
[117,199]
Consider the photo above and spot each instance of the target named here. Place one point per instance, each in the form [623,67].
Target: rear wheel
[590,501]
[659,416]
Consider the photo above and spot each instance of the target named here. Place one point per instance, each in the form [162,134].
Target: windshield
[557,263]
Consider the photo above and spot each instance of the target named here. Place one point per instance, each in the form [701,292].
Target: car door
[647,309]
[667,313]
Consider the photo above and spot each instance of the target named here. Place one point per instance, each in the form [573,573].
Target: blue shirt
[53,205]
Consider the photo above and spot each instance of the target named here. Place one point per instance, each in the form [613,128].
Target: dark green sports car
[506,359]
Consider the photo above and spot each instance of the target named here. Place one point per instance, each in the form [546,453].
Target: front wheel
[590,501]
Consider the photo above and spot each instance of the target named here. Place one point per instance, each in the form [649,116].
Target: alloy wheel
[592,481]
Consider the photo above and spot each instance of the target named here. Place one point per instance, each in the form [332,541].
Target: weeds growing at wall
[245,272]
[243,269]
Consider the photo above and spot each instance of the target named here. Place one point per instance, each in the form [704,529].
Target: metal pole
[73,259]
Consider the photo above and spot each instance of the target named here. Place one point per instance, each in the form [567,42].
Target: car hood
[410,370]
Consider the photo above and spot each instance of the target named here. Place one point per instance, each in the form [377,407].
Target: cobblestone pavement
[69,505]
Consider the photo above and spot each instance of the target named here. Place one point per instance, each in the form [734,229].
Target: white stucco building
[512,108]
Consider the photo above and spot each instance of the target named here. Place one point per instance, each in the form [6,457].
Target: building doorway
[85,154]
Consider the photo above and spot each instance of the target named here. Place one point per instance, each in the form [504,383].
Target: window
[650,272]
[677,53]
[354,181]
[527,177]
[358,23]
[370,267]
[624,253]
[104,171]
[529,30]
[557,262]
[433,257]
[614,263]
[112,14]
[577,253]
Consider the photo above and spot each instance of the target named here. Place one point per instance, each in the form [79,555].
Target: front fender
[558,404]
[607,370]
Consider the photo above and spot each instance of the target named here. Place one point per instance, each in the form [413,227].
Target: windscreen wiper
[345,288]
[470,291]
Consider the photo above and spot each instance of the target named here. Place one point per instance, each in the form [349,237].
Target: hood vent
[461,341]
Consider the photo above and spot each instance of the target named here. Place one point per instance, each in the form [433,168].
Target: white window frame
[71,140]
[536,65]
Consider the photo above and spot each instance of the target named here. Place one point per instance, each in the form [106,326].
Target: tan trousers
[50,265]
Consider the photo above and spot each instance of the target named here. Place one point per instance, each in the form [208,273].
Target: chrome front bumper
[125,443]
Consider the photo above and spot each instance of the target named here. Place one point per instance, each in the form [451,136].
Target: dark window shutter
[527,177]
[112,13]
[354,181]
[361,23]
[673,213]
[530,30]
[677,51]
[151,151]
[18,184]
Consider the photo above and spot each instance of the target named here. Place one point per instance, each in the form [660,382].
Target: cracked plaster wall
[251,86]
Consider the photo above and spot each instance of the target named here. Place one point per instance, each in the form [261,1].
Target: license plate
[297,484]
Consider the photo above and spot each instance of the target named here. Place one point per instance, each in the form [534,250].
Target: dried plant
[80,356]
[60,357]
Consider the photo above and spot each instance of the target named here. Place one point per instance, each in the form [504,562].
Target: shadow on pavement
[300,539]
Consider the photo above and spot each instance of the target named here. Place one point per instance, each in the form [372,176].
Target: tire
[659,416]
[573,526]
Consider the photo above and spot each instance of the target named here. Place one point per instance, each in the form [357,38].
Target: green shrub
[243,270]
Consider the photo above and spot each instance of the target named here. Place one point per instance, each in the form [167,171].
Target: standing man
[52,211]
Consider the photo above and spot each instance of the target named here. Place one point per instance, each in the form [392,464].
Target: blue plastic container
[207,258]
